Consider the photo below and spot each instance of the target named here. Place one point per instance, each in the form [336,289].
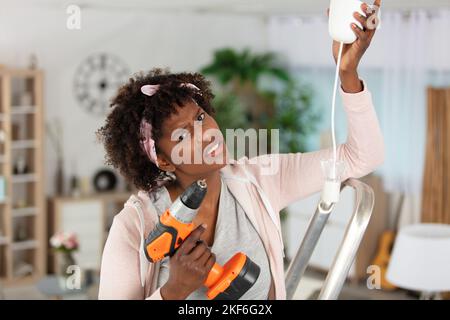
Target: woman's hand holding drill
[189,267]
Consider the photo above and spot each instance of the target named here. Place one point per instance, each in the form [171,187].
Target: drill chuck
[193,196]
[185,207]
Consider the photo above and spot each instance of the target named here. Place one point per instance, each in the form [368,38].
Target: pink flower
[64,241]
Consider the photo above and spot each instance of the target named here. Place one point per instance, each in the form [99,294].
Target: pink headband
[147,142]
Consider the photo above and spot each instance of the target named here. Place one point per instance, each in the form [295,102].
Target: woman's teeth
[214,148]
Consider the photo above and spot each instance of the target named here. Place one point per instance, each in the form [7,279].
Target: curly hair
[120,134]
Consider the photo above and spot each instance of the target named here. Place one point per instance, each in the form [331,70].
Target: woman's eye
[201,116]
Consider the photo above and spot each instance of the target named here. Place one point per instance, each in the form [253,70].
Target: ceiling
[256,7]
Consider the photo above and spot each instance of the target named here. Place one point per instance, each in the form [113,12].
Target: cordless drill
[229,282]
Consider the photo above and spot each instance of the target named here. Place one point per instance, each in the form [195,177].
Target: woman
[155,116]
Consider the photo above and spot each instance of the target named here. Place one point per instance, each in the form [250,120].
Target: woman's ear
[164,164]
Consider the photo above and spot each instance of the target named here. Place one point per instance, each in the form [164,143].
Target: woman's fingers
[204,258]
[210,262]
[361,19]
[198,251]
[191,241]
[371,20]
[359,32]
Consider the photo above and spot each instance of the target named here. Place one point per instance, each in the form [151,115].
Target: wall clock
[96,81]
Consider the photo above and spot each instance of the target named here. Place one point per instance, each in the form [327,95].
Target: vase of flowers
[65,243]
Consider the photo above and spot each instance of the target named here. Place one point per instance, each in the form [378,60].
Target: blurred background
[271,66]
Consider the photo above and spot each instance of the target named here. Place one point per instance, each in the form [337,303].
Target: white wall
[183,42]
[300,40]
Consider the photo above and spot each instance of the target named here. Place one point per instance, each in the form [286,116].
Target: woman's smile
[214,149]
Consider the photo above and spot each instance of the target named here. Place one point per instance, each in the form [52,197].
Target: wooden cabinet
[89,217]
[22,189]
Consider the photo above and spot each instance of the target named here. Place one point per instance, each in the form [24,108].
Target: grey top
[234,233]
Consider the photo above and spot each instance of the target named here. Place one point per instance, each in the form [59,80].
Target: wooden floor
[308,289]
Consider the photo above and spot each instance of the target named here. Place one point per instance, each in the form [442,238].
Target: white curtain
[410,51]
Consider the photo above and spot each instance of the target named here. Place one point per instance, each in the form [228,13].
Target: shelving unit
[22,191]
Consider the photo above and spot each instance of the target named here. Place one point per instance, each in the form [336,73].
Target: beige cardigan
[263,186]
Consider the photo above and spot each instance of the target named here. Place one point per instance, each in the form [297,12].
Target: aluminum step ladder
[364,201]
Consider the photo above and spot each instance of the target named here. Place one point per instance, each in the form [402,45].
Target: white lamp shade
[420,258]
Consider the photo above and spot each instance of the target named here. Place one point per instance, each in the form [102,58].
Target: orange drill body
[220,278]
[165,243]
